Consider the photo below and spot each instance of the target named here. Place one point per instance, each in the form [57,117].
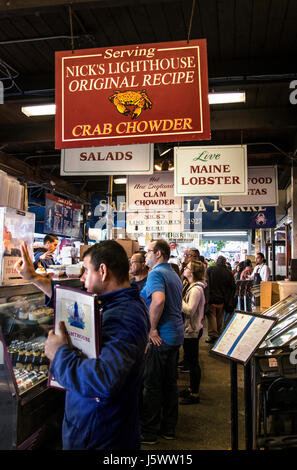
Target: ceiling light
[120,180]
[165,151]
[221,98]
[39,110]
[222,234]
[158,167]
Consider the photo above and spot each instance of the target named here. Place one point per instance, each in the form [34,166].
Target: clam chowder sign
[152,193]
[213,170]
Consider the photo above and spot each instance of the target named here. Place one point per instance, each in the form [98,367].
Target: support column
[294,211]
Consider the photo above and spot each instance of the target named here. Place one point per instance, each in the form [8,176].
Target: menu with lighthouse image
[80,312]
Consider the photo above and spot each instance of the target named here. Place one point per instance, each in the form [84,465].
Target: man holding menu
[101,410]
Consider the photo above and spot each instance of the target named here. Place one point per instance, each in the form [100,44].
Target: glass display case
[285,330]
[274,383]
[31,413]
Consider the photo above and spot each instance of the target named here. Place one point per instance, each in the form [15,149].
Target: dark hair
[261,255]
[142,254]
[113,255]
[221,260]
[163,246]
[247,263]
[50,237]
[195,251]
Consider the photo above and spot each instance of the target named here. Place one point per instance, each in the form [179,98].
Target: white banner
[210,171]
[116,160]
[152,193]
[262,188]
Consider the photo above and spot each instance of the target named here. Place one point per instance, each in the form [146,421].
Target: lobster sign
[132,94]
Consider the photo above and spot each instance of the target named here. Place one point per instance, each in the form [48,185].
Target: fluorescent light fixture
[39,110]
[120,180]
[226,234]
[221,98]
[165,151]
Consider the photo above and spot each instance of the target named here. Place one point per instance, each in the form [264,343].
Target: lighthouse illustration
[76,315]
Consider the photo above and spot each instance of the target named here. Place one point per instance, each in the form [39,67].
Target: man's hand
[26,269]
[54,341]
[155,338]
[25,265]
[46,255]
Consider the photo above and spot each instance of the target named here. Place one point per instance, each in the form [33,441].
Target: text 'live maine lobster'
[132,94]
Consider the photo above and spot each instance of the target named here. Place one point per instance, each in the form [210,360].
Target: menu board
[80,313]
[62,216]
[242,336]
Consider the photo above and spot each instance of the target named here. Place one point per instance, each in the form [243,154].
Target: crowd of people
[152,308]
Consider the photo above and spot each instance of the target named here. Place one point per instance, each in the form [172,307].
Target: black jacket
[221,285]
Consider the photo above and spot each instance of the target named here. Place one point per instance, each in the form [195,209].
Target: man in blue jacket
[101,410]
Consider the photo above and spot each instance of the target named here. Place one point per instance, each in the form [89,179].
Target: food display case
[31,413]
[274,380]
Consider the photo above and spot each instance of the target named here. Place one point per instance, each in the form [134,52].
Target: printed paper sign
[208,171]
[116,160]
[154,222]
[262,188]
[132,94]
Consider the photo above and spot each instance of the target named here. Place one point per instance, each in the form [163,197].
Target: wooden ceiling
[252,46]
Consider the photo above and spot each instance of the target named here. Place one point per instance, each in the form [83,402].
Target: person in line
[239,268]
[261,271]
[247,271]
[44,256]
[221,292]
[163,295]
[138,269]
[101,409]
[193,309]
[192,254]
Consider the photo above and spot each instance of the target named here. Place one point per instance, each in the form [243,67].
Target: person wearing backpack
[221,297]
[193,307]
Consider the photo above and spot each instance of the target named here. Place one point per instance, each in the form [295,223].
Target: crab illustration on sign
[137,100]
[261,219]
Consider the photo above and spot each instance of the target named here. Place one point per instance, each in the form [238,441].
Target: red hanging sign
[132,94]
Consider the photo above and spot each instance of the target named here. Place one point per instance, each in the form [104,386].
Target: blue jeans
[160,393]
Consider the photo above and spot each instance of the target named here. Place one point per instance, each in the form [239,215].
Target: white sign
[116,160]
[262,188]
[153,193]
[210,171]
[152,222]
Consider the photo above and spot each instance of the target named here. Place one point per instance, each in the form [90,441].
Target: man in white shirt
[261,269]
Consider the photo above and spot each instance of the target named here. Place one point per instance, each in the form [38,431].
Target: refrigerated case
[274,383]
[31,413]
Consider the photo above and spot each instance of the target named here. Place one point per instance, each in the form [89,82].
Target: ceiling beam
[33,174]
[24,5]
